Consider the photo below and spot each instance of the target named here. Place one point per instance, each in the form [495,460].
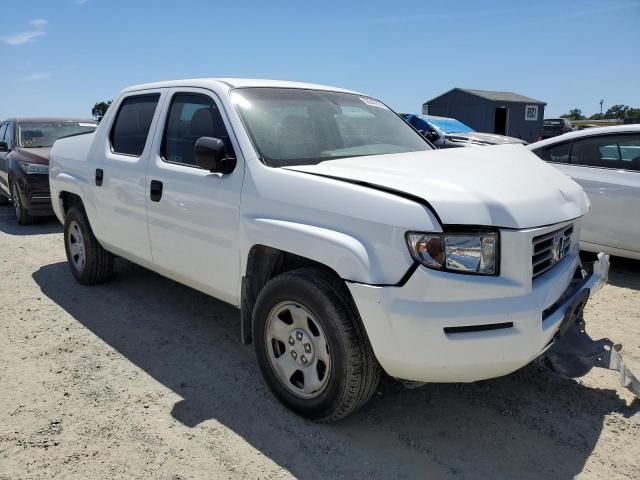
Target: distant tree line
[99,109]
[623,112]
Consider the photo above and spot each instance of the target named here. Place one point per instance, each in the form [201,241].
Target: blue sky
[61,56]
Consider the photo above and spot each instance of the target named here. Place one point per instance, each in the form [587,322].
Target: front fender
[343,253]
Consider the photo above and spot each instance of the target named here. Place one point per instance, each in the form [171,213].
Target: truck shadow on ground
[530,424]
[43,226]
[625,273]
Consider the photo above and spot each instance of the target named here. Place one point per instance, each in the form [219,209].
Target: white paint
[201,231]
[613,223]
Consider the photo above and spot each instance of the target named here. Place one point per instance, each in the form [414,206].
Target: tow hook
[574,353]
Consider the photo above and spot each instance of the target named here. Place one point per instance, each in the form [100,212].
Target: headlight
[475,253]
[34,168]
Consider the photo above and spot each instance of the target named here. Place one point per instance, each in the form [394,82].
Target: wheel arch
[68,200]
[265,263]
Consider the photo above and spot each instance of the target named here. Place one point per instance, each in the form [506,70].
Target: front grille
[549,249]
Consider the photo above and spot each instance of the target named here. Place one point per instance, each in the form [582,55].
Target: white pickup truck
[349,244]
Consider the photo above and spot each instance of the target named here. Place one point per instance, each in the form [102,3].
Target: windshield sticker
[87,125]
[373,103]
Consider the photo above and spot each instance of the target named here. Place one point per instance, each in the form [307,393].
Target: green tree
[574,114]
[617,111]
[632,115]
[99,109]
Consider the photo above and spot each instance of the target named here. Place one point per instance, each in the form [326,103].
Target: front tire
[311,346]
[89,262]
[22,214]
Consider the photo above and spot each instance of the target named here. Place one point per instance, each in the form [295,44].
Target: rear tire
[3,200]
[311,346]
[89,262]
[22,214]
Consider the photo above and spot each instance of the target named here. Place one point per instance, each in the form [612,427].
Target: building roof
[493,96]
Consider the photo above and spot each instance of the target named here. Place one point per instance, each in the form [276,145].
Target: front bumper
[442,327]
[35,194]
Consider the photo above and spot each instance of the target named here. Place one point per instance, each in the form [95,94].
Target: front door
[193,214]
[119,183]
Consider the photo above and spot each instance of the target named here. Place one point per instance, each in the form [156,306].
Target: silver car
[606,163]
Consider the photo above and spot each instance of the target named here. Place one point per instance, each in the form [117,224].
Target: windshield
[449,125]
[44,134]
[302,127]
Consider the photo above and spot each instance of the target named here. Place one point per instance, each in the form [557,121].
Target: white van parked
[348,243]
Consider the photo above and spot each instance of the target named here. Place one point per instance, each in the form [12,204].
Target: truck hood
[479,138]
[503,186]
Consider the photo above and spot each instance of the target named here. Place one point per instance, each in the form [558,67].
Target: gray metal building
[505,113]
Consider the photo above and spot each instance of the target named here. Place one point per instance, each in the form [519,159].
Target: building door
[500,126]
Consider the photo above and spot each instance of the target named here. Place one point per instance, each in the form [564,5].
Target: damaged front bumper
[573,352]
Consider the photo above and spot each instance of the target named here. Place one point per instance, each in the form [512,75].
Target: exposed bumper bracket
[574,353]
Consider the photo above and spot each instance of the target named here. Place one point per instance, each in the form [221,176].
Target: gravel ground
[145,378]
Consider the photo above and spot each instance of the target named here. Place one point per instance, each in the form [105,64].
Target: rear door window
[3,128]
[133,121]
[629,148]
[608,151]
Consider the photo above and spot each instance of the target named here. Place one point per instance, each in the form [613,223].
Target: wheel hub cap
[297,349]
[75,241]
[301,347]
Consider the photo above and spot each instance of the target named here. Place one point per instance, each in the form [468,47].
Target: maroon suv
[25,144]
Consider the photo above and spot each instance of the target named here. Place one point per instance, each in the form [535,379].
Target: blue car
[446,132]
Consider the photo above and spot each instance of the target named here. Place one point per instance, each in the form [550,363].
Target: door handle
[99,176]
[155,190]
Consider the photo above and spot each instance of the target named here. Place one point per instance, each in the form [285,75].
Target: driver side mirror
[4,147]
[211,154]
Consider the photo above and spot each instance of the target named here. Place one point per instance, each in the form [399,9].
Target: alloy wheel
[15,200]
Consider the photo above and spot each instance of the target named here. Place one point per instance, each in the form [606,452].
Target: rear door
[119,176]
[194,215]
[608,168]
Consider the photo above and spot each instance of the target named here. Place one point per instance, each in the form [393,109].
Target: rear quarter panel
[614,218]
[70,171]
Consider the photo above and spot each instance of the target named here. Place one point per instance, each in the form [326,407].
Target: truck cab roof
[235,83]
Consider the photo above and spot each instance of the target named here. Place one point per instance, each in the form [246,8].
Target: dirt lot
[144,378]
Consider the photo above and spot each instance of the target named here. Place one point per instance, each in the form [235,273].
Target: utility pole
[601,102]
